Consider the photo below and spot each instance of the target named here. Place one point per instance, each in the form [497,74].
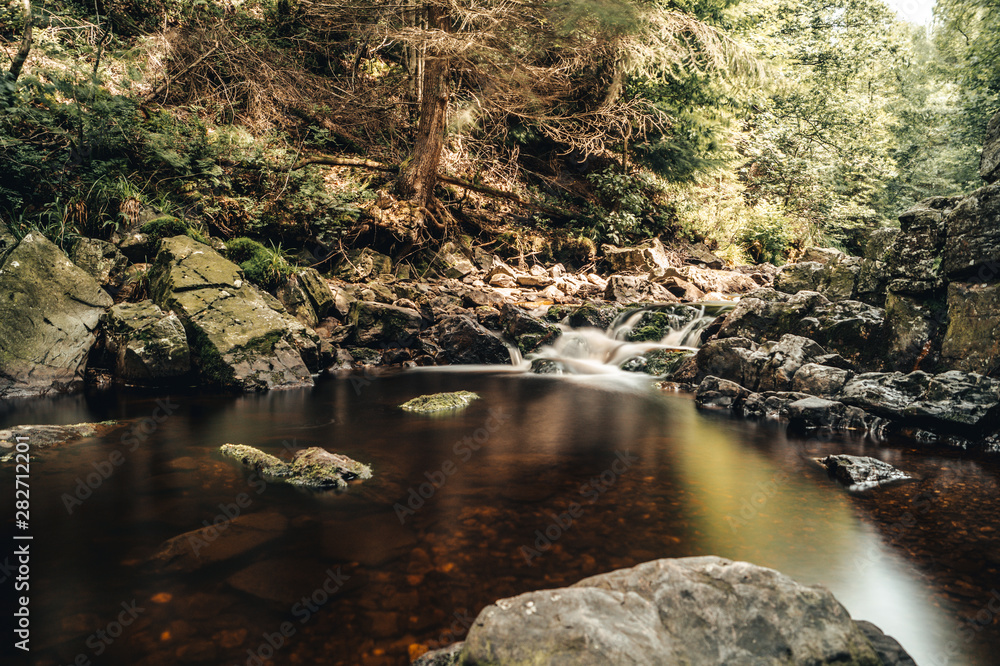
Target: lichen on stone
[437,402]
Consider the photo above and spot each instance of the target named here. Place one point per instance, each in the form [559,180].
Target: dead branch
[329,160]
[163,86]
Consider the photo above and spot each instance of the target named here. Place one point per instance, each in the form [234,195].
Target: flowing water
[464,509]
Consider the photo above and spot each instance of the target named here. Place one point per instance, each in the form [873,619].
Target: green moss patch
[437,402]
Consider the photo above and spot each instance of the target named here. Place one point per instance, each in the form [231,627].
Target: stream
[467,508]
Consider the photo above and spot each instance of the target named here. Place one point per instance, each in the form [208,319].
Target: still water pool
[470,507]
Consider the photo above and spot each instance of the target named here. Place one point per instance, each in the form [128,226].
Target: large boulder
[380,325]
[989,161]
[972,246]
[105,263]
[972,341]
[238,339]
[49,309]
[465,342]
[148,345]
[950,400]
[913,326]
[696,610]
[648,257]
[850,328]
[527,332]
[636,288]
[913,262]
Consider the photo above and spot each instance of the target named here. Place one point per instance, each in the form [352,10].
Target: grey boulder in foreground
[695,610]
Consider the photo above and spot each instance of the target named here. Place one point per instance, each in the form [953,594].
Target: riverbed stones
[850,328]
[634,288]
[527,332]
[811,413]
[698,610]
[237,339]
[861,472]
[149,345]
[362,264]
[972,340]
[49,310]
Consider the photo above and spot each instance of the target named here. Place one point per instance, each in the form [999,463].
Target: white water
[592,351]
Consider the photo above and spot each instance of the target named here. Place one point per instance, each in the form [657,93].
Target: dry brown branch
[329,160]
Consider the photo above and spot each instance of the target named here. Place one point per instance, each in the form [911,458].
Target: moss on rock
[437,402]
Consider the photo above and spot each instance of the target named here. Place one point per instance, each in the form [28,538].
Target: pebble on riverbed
[437,402]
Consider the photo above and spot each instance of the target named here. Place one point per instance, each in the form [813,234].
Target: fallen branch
[154,94]
[443,178]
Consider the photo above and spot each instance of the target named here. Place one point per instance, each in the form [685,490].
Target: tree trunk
[22,52]
[418,175]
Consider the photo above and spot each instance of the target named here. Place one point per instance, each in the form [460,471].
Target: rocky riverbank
[175,311]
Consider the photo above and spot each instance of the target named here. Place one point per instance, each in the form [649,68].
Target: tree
[820,144]
[17,63]
[561,68]
[968,39]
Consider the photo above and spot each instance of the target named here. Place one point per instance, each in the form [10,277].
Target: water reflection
[461,512]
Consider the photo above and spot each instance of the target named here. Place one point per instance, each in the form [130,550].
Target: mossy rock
[437,402]
[314,467]
[254,459]
[164,226]
[658,362]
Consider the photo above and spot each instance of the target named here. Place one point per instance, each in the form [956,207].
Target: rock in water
[313,467]
[49,309]
[696,610]
[861,472]
[437,402]
[216,543]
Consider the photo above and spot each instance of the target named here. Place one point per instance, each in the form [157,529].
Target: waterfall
[625,344]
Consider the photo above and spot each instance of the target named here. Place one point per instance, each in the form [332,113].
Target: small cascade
[629,341]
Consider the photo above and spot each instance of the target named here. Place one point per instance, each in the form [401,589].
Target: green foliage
[625,207]
[263,266]
[767,239]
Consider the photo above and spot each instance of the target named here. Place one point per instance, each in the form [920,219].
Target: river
[541,482]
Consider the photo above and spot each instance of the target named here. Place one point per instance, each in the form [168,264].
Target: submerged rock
[437,402]
[49,310]
[312,467]
[696,610]
[861,472]
[47,436]
[223,540]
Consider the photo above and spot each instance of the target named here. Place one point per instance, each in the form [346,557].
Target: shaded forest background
[758,127]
